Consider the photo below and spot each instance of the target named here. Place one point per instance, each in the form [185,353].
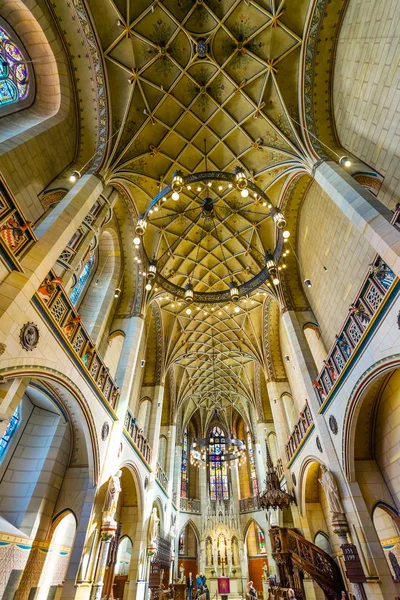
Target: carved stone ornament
[29,336]
[333,425]
[3,348]
[318,442]
[294,479]
[105,430]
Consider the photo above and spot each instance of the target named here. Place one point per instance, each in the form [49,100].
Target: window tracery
[184,477]
[252,465]
[7,436]
[218,477]
[82,280]
[14,72]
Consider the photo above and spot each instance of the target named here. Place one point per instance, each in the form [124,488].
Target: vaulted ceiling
[194,85]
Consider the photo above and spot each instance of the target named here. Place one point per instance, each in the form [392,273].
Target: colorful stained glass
[11,428]
[182,543]
[184,466]
[14,74]
[261,541]
[252,465]
[219,487]
[83,279]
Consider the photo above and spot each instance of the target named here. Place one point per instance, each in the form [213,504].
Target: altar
[237,586]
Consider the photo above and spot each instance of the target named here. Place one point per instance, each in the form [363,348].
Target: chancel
[199,300]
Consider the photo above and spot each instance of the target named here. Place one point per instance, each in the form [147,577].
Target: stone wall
[366,90]
[328,239]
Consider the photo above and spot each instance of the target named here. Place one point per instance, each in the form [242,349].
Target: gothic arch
[374,376]
[72,400]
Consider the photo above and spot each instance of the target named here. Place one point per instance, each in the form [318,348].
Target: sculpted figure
[111,501]
[153,527]
[331,490]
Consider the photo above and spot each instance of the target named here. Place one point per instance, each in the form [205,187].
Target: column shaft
[365,211]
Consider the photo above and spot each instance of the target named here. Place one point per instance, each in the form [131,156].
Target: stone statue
[172,532]
[265,571]
[181,573]
[153,528]
[331,490]
[111,501]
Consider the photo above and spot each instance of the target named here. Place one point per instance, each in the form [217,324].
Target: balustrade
[16,235]
[161,477]
[366,304]
[299,432]
[190,505]
[63,315]
[248,504]
[137,437]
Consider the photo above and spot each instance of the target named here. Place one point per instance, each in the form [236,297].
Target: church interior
[199,300]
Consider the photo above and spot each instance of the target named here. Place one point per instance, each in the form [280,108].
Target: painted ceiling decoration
[195,86]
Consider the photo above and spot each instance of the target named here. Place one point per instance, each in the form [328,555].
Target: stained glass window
[83,278]
[261,541]
[252,465]
[184,466]
[182,543]
[14,74]
[11,428]
[219,488]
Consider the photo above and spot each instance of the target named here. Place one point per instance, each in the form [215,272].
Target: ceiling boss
[214,231]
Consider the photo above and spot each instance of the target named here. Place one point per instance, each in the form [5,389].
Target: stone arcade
[199,299]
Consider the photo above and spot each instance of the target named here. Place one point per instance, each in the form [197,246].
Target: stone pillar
[107,532]
[261,437]
[177,462]
[11,394]
[170,458]
[127,364]
[53,233]
[275,390]
[155,423]
[365,211]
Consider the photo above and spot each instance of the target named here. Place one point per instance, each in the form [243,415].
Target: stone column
[153,435]
[365,211]
[53,233]
[261,437]
[177,462]
[107,532]
[133,329]
[170,456]
[275,390]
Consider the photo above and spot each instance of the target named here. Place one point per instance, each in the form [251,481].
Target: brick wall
[366,89]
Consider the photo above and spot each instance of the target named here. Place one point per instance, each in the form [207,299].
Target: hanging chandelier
[273,496]
[205,451]
[208,193]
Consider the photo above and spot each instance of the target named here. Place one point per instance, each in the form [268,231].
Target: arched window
[16,83]
[82,280]
[261,541]
[219,488]
[7,436]
[252,465]
[184,466]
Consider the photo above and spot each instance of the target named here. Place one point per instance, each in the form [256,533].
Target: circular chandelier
[208,191]
[231,449]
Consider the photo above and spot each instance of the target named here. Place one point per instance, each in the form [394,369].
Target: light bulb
[286,234]
[237,309]
[275,281]
[189,187]
[136,241]
[164,199]
[148,286]
[244,193]
[188,311]
[175,196]
[72,178]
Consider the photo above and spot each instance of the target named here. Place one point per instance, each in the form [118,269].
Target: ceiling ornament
[215,448]
[188,234]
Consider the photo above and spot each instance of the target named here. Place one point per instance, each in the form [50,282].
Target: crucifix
[223,565]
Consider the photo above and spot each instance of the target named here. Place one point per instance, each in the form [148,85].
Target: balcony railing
[161,477]
[190,505]
[248,504]
[62,313]
[300,431]
[136,434]
[368,301]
